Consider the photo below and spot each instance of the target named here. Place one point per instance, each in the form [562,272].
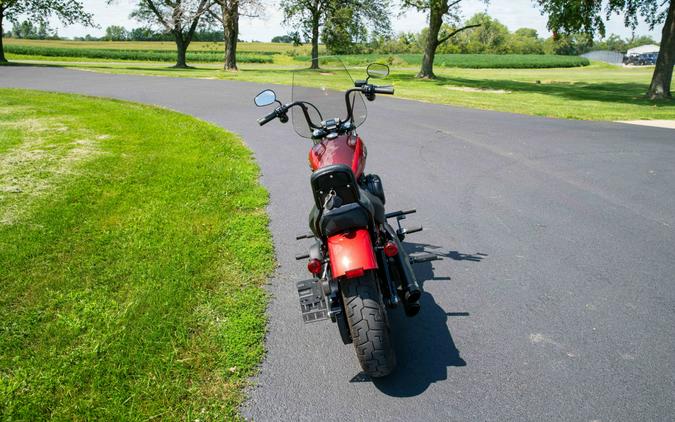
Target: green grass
[469,61]
[595,92]
[133,248]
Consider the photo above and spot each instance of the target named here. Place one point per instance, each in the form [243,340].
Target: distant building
[643,55]
[611,57]
[643,49]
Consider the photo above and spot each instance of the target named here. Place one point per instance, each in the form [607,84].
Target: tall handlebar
[264,120]
[364,89]
[389,90]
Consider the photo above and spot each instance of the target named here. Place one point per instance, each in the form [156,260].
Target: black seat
[357,208]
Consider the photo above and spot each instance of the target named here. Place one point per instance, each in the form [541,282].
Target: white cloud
[512,13]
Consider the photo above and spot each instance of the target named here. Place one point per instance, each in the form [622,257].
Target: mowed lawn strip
[133,250]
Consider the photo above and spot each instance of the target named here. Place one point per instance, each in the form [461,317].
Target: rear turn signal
[314,266]
[390,249]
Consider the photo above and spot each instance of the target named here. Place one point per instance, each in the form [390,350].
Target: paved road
[556,297]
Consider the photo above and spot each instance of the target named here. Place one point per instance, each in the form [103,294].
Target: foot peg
[413,230]
[312,303]
[402,232]
[305,236]
[397,214]
[428,257]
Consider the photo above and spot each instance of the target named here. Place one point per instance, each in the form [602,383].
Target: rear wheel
[367,320]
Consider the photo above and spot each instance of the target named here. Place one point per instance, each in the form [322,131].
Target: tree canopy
[39,11]
[588,16]
[345,20]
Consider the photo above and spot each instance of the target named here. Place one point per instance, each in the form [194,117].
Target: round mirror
[377,70]
[265,98]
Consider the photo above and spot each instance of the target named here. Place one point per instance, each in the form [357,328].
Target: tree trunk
[181,49]
[435,21]
[663,72]
[2,48]
[231,31]
[315,41]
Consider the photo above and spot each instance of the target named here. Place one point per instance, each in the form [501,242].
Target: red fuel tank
[345,149]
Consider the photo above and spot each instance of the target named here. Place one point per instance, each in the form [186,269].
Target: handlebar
[366,89]
[264,120]
[383,90]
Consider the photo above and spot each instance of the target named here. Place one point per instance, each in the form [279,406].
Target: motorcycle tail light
[390,249]
[314,266]
[354,273]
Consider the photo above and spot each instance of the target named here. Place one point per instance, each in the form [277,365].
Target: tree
[228,15]
[611,43]
[308,15]
[116,33]
[25,30]
[490,35]
[568,44]
[341,34]
[587,16]
[311,15]
[346,29]
[439,11]
[67,11]
[283,39]
[180,18]
[638,41]
[525,41]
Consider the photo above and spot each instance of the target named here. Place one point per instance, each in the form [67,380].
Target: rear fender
[351,254]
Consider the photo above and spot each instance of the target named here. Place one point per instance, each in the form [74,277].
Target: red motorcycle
[358,262]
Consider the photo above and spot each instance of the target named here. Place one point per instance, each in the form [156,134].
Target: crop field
[468,61]
[256,47]
[204,56]
[269,53]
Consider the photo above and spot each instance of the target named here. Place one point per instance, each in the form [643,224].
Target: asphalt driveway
[555,299]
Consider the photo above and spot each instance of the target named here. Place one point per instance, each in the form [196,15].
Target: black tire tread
[367,320]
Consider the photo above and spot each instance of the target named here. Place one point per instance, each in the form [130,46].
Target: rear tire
[367,320]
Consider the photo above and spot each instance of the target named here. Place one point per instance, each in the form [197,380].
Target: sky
[512,13]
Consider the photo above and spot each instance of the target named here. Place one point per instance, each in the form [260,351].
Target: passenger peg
[413,230]
[418,259]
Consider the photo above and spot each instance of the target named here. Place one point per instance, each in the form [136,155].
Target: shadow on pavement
[424,346]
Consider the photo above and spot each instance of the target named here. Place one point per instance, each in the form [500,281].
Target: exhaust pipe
[412,291]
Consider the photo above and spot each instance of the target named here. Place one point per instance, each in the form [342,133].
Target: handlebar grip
[384,90]
[264,120]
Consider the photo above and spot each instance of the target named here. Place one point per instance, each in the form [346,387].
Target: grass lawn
[595,92]
[133,250]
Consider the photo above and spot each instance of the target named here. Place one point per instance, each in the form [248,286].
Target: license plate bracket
[312,302]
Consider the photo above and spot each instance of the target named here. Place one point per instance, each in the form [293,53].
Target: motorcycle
[359,266]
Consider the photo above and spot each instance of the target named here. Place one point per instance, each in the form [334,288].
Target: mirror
[265,98]
[377,70]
